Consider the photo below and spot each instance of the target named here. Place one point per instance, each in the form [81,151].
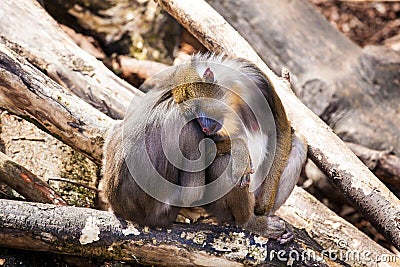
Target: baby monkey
[229,101]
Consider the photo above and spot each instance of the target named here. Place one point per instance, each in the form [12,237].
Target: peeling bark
[54,53]
[28,93]
[91,233]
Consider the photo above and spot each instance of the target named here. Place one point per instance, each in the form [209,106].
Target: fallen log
[55,54]
[27,92]
[92,233]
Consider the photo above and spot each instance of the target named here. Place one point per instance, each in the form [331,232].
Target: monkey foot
[270,226]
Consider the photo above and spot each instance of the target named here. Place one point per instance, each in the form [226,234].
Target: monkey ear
[208,75]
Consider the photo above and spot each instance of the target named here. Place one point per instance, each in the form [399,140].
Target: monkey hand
[245,180]
[242,166]
[270,226]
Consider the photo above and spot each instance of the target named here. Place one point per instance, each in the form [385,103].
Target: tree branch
[28,93]
[53,52]
[26,183]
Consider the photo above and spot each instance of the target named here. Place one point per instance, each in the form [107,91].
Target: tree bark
[332,232]
[54,53]
[354,90]
[28,93]
[92,233]
[330,154]
[26,183]
[384,164]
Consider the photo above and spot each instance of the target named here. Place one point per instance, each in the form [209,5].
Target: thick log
[353,90]
[53,52]
[331,155]
[27,92]
[92,233]
[332,232]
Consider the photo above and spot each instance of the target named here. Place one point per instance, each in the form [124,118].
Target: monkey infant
[157,159]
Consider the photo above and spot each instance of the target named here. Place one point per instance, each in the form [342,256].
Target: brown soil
[364,22]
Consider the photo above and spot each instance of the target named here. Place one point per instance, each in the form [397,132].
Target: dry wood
[87,43]
[330,154]
[92,233]
[384,163]
[26,183]
[331,231]
[27,28]
[142,68]
[27,92]
[393,42]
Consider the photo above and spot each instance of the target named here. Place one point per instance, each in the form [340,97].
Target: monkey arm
[291,173]
[269,224]
[240,157]
[192,149]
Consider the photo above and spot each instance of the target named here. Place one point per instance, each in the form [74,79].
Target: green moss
[80,169]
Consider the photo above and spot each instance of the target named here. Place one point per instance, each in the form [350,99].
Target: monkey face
[209,126]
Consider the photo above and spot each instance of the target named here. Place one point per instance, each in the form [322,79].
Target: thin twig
[59,179]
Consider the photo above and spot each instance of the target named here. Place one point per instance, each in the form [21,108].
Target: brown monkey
[241,93]
[241,78]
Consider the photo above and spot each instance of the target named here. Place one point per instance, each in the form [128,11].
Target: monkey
[254,210]
[216,95]
[120,188]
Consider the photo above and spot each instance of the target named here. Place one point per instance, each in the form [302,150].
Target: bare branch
[28,93]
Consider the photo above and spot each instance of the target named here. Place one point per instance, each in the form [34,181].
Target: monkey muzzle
[209,126]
